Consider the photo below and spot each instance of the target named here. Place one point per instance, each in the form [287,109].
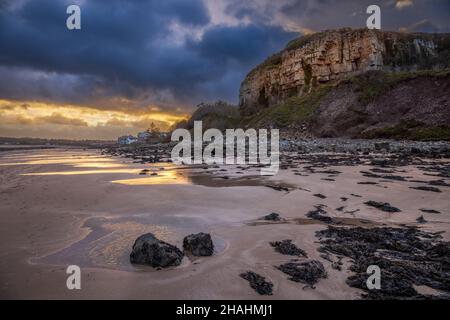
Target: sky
[141,61]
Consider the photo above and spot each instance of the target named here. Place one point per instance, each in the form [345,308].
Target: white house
[127,140]
[144,136]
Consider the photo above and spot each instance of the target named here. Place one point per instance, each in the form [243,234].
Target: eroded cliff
[322,58]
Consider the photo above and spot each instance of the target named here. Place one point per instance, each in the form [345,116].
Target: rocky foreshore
[148,153]
[362,146]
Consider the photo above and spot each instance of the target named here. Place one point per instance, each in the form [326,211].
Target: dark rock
[272,217]
[440,183]
[288,248]
[321,196]
[258,283]
[424,188]
[382,146]
[430,211]
[277,188]
[199,244]
[147,249]
[392,177]
[382,206]
[407,257]
[380,162]
[305,272]
[319,214]
[421,219]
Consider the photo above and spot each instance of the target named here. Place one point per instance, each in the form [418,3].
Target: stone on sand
[149,250]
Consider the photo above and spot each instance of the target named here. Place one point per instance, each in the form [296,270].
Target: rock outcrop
[148,250]
[320,58]
[199,245]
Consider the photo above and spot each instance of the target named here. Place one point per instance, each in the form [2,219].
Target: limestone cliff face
[312,60]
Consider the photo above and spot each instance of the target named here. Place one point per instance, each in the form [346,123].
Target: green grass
[274,61]
[292,110]
[371,85]
[410,130]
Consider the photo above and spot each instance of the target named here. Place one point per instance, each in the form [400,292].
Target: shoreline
[223,207]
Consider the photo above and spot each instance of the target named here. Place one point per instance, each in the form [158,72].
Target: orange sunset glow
[35,119]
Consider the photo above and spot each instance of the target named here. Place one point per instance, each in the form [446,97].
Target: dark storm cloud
[124,48]
[396,14]
[169,53]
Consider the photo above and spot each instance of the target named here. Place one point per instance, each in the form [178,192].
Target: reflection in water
[81,172]
[62,160]
[165,177]
[98,165]
[142,174]
[107,244]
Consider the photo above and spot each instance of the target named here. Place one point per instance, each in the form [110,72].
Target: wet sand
[65,206]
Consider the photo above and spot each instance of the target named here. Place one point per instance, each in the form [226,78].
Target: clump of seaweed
[407,257]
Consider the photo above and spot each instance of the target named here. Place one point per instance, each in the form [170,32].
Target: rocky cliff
[322,58]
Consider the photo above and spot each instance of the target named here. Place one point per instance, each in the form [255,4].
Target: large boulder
[199,244]
[147,249]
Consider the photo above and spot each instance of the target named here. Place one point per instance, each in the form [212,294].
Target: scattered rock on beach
[383,206]
[421,219]
[430,211]
[319,214]
[200,244]
[277,188]
[258,283]
[147,249]
[272,217]
[408,257]
[309,272]
[425,188]
[286,247]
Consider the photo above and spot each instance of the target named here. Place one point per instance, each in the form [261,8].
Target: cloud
[59,119]
[421,26]
[401,4]
[132,56]
[25,119]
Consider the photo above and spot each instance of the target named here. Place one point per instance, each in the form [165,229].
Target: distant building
[127,140]
[144,136]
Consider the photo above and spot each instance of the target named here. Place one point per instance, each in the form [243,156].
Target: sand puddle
[109,241]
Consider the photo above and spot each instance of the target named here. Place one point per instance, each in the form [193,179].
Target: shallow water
[108,238]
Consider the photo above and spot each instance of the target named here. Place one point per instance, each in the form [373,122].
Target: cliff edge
[353,83]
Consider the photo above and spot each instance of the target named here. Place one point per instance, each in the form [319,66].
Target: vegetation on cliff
[363,106]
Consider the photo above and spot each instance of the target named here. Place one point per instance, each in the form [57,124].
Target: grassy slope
[368,87]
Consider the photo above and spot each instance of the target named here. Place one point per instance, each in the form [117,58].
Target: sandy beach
[64,207]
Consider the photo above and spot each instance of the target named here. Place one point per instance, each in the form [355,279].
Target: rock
[319,195]
[319,214]
[382,146]
[258,283]
[286,247]
[147,249]
[380,162]
[408,257]
[305,272]
[272,217]
[277,188]
[322,57]
[421,219]
[199,244]
[382,206]
[430,211]
[424,188]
